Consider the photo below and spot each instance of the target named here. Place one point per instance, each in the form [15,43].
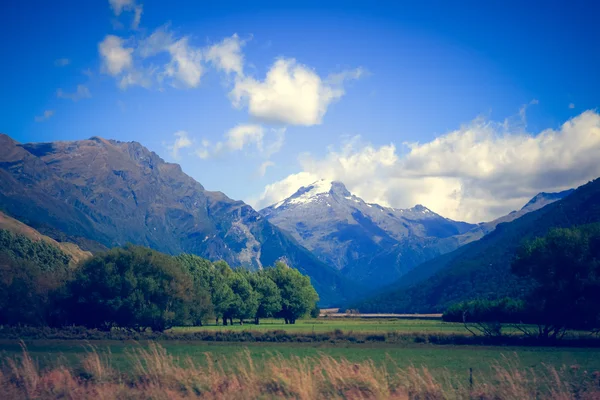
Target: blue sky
[355,85]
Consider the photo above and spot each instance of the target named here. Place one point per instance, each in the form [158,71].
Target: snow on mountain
[345,231]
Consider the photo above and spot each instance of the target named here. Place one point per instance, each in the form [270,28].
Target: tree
[486,316]
[132,287]
[245,299]
[298,296]
[565,269]
[201,270]
[268,295]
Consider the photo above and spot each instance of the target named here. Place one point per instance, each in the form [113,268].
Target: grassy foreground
[154,373]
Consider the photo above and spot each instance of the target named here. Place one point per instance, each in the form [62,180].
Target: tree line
[563,271]
[138,288]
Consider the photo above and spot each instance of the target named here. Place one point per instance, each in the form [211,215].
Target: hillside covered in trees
[481,270]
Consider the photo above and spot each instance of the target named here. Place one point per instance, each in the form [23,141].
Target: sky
[467,107]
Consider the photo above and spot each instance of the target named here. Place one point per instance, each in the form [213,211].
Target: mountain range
[90,195]
[372,244]
[100,193]
[481,269]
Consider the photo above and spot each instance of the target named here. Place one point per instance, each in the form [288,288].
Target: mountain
[540,200]
[369,243]
[72,250]
[481,269]
[102,193]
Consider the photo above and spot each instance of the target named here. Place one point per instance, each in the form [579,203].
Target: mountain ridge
[366,241]
[102,193]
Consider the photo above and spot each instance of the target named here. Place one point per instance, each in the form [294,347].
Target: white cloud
[227,55]
[182,141]
[82,92]
[62,62]
[47,114]
[478,172]
[115,57]
[160,40]
[266,141]
[243,135]
[137,16]
[262,170]
[291,93]
[185,65]
[119,5]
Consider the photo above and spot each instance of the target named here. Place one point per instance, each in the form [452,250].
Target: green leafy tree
[221,294]
[565,269]
[131,287]
[245,299]
[268,295]
[298,296]
[200,307]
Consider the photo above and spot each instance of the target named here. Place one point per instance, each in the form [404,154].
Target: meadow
[406,368]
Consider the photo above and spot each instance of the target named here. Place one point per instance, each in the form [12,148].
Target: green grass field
[344,324]
[455,360]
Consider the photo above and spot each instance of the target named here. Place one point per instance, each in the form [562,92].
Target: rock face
[369,243]
[102,193]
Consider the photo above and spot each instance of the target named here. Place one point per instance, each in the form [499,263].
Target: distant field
[440,360]
[344,324]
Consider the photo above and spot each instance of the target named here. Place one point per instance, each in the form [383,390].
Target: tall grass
[155,374]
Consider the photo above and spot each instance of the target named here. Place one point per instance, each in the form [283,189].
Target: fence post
[471,378]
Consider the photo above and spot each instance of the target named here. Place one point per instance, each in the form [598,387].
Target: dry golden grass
[158,375]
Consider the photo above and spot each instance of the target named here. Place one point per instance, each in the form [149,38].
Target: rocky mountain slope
[102,193]
[481,269]
[367,242]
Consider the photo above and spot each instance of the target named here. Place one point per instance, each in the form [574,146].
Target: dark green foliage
[32,275]
[245,299]
[502,310]
[298,296]
[136,288]
[315,312]
[131,287]
[565,269]
[269,296]
[40,253]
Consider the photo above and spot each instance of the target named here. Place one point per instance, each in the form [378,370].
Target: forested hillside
[482,269]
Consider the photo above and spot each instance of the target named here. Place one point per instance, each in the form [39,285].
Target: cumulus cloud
[291,93]
[182,141]
[129,65]
[115,57]
[478,172]
[47,114]
[243,136]
[227,55]
[62,62]
[82,92]
[185,65]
